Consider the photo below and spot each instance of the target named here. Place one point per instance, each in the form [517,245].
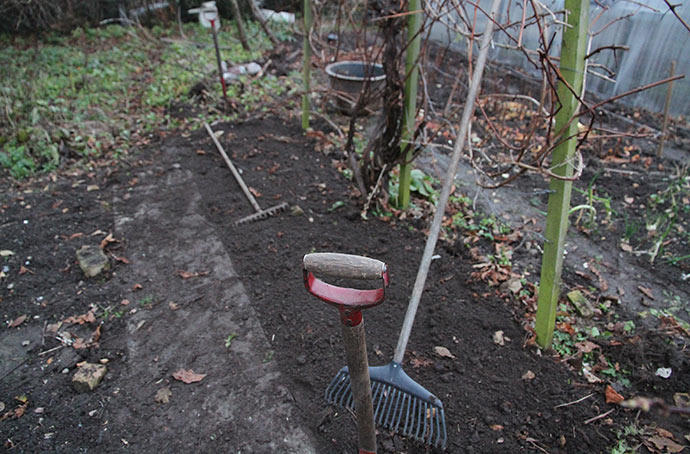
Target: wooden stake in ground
[573,51]
[306,70]
[414,23]
[667,105]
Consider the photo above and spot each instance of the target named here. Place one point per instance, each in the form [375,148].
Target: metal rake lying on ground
[260,214]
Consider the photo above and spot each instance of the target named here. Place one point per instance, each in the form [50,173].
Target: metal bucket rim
[336,75]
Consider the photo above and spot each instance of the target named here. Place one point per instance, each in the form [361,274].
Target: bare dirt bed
[498,398]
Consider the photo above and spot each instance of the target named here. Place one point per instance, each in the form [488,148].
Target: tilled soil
[497,398]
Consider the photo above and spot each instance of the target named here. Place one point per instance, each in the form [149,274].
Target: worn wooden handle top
[344,265]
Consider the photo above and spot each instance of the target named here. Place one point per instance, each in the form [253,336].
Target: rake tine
[336,387]
[400,412]
[383,403]
[418,420]
[377,394]
[335,383]
[392,400]
[410,403]
[431,423]
[382,399]
[345,394]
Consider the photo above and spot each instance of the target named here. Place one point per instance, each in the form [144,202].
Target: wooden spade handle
[344,266]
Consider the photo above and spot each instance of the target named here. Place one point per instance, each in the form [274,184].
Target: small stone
[302,360]
[582,305]
[25,343]
[253,68]
[92,260]
[88,377]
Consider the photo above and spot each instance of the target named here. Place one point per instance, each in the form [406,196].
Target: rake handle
[234,171]
[358,365]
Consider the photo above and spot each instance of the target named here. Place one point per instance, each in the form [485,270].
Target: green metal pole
[573,50]
[307,64]
[414,23]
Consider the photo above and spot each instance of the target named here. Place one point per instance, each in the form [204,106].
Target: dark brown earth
[492,404]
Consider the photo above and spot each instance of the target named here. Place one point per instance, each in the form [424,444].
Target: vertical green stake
[573,49]
[306,51]
[414,23]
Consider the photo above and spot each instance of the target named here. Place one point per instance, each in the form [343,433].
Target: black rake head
[400,404]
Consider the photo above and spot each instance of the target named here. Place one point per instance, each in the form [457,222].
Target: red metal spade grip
[349,301]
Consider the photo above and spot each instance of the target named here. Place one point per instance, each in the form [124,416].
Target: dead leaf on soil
[681,400]
[173,306]
[125,302]
[24,270]
[89,317]
[188,376]
[6,253]
[443,352]
[124,260]
[625,247]
[107,240]
[612,397]
[591,378]
[189,274]
[18,321]
[647,292]
[137,287]
[586,346]
[417,362]
[661,445]
[76,235]
[256,193]
[496,427]
[529,375]
[163,395]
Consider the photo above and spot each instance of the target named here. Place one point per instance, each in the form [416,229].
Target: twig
[636,90]
[603,415]
[673,10]
[51,350]
[374,191]
[575,401]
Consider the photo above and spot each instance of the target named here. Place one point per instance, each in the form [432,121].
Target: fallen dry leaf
[125,302]
[663,445]
[529,375]
[173,306]
[76,235]
[6,253]
[163,395]
[188,376]
[200,152]
[496,427]
[189,275]
[24,270]
[498,338]
[612,397]
[647,292]
[18,321]
[124,260]
[256,193]
[443,352]
[137,287]
[107,240]
[89,317]
[420,362]
[625,247]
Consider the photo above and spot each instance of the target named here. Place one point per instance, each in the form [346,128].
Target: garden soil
[212,343]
